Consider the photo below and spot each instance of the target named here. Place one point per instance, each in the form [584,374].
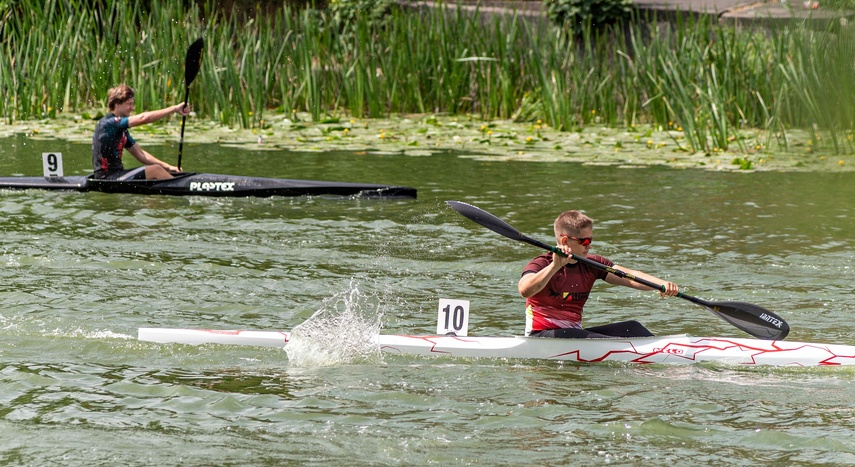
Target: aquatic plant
[713,80]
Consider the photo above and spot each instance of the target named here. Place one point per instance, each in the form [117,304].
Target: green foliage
[743,163]
[577,15]
[348,12]
[702,80]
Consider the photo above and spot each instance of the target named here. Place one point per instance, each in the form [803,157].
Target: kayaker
[112,136]
[556,287]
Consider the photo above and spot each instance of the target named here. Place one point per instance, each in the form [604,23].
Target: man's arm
[155,115]
[532,283]
[671,288]
[147,159]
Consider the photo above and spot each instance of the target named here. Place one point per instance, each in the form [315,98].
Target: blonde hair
[571,223]
[119,95]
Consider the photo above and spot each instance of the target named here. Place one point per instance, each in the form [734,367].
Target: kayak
[200,184]
[677,349]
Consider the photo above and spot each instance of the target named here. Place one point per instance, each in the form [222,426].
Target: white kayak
[679,349]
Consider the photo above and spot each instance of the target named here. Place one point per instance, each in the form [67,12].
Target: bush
[577,15]
[346,12]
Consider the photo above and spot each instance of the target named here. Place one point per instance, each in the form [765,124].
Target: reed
[708,80]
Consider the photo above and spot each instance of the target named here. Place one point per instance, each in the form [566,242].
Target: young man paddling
[556,287]
[112,136]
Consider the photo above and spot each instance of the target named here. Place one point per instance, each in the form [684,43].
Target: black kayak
[196,184]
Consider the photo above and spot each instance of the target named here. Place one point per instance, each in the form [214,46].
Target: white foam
[343,330]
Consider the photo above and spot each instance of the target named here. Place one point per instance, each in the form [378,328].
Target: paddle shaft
[183,119]
[612,270]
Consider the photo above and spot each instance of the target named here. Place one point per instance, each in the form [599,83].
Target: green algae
[424,135]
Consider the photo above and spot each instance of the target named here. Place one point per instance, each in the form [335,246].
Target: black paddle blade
[486,219]
[753,319]
[193,61]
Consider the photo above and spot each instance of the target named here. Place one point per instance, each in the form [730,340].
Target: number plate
[453,317]
[52,162]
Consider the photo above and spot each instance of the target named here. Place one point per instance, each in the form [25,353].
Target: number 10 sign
[453,317]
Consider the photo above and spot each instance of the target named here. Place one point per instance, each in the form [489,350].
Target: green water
[79,273]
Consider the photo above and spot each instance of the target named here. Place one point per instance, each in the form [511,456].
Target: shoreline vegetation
[418,135]
[693,93]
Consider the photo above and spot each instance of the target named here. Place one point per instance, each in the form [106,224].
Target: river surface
[81,272]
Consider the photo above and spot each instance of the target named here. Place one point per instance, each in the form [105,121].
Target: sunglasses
[584,241]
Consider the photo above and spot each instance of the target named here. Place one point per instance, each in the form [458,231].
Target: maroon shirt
[560,303]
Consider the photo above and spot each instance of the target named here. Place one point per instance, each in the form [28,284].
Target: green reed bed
[707,82]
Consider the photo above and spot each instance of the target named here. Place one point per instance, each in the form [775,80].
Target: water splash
[344,330]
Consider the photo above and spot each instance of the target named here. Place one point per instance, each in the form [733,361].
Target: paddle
[192,63]
[753,319]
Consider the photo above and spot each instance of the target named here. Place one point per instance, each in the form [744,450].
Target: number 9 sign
[52,162]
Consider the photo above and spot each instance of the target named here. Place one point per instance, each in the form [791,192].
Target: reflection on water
[79,273]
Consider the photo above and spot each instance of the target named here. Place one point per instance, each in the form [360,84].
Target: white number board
[52,162]
[453,317]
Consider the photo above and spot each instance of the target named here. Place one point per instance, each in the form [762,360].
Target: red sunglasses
[584,241]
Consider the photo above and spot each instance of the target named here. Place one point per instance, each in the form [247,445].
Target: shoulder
[114,121]
[600,259]
[539,262]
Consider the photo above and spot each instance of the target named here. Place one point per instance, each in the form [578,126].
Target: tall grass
[708,79]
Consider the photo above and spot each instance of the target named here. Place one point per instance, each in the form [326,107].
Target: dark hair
[119,95]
